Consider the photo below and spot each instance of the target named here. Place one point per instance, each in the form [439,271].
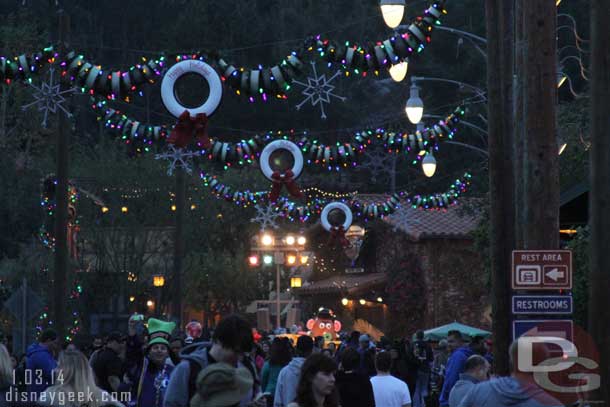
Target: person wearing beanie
[149,378]
[221,385]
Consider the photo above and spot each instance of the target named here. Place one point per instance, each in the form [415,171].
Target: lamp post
[158,283]
[283,250]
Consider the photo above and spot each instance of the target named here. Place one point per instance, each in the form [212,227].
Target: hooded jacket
[461,389]
[177,393]
[287,382]
[507,392]
[455,366]
[41,363]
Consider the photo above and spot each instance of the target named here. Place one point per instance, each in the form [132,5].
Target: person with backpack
[232,338]
[423,356]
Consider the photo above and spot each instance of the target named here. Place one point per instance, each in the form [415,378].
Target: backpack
[194,369]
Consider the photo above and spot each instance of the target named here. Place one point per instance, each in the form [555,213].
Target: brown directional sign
[542,270]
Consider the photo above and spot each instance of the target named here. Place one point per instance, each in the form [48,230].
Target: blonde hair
[6,367]
[74,376]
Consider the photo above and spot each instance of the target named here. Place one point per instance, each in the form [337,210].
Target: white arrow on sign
[554,274]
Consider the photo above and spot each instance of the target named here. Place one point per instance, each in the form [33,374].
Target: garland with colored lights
[49,205]
[87,76]
[366,211]
[246,152]
[260,82]
[45,322]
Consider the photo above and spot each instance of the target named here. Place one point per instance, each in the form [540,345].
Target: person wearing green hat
[150,376]
[221,385]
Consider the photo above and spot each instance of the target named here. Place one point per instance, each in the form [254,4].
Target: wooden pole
[541,160]
[178,246]
[599,197]
[499,17]
[61,193]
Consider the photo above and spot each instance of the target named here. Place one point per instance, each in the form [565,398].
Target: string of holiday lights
[44,321]
[259,82]
[49,204]
[311,207]
[245,152]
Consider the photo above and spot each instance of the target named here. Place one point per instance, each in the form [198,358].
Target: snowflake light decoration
[381,164]
[178,158]
[266,216]
[318,90]
[401,221]
[49,98]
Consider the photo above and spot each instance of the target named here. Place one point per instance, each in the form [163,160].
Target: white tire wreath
[332,206]
[270,148]
[168,91]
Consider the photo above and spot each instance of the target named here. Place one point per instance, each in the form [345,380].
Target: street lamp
[285,250]
[399,71]
[158,281]
[362,301]
[392,11]
[345,301]
[428,164]
[415,106]
[296,282]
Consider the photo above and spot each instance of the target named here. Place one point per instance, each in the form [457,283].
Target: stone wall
[456,285]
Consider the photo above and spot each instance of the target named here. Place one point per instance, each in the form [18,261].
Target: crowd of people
[148,367]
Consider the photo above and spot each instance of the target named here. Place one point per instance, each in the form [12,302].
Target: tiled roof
[345,283]
[453,223]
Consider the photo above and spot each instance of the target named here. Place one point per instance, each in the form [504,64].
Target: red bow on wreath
[337,237]
[182,134]
[280,180]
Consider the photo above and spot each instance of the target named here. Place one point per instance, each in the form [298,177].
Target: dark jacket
[355,390]
[41,363]
[455,366]
[367,362]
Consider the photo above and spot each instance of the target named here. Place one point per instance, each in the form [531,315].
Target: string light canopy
[393,12]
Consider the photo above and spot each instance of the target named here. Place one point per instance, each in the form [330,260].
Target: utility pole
[499,17]
[599,196]
[177,294]
[61,193]
[540,159]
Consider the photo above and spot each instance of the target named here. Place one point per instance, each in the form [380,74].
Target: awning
[436,334]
